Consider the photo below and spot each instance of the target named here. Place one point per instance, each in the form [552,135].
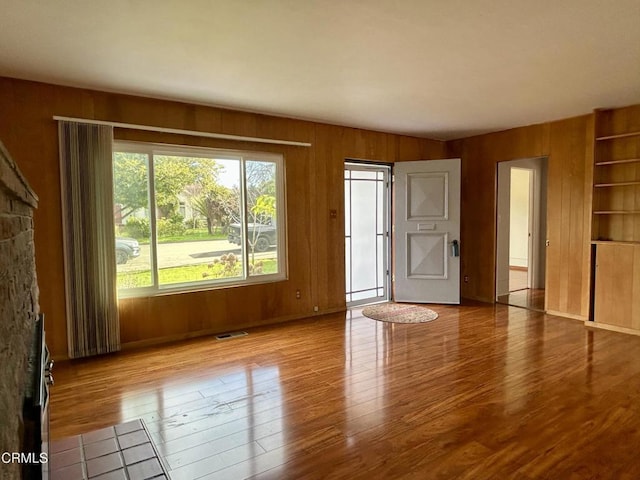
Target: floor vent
[227,336]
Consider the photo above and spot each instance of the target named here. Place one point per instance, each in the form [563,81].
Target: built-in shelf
[618,162]
[616,184]
[616,212]
[615,244]
[621,135]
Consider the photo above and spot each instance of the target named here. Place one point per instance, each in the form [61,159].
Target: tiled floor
[122,452]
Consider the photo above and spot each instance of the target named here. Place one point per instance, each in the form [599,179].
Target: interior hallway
[521,296]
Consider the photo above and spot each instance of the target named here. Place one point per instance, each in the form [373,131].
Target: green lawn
[191,235]
[188,273]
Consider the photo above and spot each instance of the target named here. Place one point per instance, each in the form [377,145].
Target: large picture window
[191,218]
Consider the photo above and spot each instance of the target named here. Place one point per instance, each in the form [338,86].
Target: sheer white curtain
[86,174]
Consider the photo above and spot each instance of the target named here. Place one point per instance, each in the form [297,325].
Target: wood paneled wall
[569,216]
[314,183]
[568,144]
[480,155]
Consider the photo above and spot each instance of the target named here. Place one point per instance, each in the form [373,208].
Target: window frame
[152,149]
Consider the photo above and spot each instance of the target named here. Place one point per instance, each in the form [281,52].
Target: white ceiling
[434,68]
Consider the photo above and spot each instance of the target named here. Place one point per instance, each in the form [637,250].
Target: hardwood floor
[518,279]
[530,298]
[521,296]
[483,392]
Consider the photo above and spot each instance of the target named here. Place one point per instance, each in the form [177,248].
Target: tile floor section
[122,452]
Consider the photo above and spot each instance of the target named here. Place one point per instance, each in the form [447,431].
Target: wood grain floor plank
[484,391]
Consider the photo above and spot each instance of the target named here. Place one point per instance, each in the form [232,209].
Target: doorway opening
[367,220]
[521,233]
[520,228]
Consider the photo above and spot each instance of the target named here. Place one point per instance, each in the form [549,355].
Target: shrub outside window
[194,218]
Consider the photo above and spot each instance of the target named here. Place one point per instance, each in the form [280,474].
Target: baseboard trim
[328,311]
[572,316]
[476,299]
[149,342]
[612,328]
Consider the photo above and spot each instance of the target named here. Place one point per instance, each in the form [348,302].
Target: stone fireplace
[19,306]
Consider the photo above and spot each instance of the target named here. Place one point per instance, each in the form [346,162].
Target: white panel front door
[427,231]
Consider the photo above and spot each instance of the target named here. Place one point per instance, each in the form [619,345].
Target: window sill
[202,287]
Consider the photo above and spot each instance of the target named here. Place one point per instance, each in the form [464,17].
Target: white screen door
[367,202]
[427,231]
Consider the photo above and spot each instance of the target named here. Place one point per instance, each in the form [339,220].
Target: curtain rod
[193,133]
